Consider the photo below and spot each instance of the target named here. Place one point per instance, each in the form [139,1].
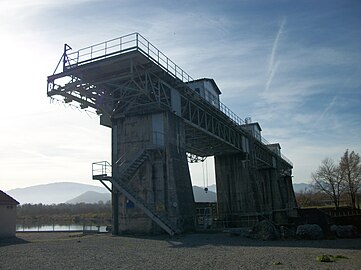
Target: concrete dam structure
[161,119]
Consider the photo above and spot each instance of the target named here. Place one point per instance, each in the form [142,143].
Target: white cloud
[6,5]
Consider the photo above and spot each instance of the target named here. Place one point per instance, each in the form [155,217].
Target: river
[59,227]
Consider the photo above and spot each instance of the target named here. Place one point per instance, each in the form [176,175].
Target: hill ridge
[68,192]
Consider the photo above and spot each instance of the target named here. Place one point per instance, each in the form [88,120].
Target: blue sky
[293,66]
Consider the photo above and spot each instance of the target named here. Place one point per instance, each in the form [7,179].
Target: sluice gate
[160,116]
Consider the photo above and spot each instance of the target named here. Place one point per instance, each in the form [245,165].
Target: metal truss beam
[131,84]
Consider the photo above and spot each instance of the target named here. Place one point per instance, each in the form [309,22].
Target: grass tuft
[330,258]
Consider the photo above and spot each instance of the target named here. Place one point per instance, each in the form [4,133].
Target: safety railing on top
[136,41]
[101,50]
[286,159]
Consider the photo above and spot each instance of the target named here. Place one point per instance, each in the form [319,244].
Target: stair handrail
[102,173]
[124,165]
[130,194]
[142,205]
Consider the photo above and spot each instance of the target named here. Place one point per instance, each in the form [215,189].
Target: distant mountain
[69,192]
[94,197]
[298,187]
[91,197]
[52,193]
[201,196]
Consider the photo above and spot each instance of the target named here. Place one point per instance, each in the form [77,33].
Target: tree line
[338,182]
[64,211]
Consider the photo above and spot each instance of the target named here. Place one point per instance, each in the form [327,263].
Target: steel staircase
[102,172]
[127,169]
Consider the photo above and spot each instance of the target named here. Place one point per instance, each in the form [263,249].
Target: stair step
[150,209]
[127,170]
[139,200]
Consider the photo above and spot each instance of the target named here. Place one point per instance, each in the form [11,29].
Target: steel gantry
[129,75]
[129,78]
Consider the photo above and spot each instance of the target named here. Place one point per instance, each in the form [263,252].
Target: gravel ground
[192,251]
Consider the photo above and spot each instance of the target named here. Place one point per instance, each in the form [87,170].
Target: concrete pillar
[162,181]
[115,200]
[243,189]
[237,191]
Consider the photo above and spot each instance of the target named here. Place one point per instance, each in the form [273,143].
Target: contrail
[272,66]
[271,74]
[275,45]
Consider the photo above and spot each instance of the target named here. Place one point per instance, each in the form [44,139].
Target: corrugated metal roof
[6,199]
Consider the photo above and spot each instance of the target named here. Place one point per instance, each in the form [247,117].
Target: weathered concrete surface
[162,181]
[243,189]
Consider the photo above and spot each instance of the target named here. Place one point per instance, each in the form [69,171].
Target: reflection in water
[58,227]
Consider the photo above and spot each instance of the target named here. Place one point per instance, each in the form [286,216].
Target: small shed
[275,148]
[7,215]
[206,88]
[254,129]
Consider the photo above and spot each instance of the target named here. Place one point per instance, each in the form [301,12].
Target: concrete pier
[244,190]
[162,181]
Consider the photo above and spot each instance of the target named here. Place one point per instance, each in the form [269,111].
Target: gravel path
[192,251]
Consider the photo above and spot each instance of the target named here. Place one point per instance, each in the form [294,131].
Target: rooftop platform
[130,75]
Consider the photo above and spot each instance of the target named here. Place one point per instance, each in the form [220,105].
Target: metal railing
[161,59]
[136,42]
[101,50]
[286,159]
[103,168]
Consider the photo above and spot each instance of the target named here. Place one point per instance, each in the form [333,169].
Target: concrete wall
[179,173]
[163,180]
[245,190]
[7,221]
[236,190]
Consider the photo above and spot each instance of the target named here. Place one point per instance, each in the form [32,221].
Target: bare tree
[310,198]
[328,179]
[304,198]
[350,168]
